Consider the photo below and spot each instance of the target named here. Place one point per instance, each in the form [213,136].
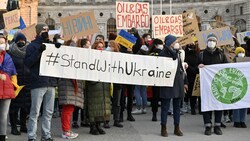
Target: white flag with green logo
[225,86]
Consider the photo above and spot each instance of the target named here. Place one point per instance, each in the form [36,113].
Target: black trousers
[76,114]
[116,100]
[156,99]
[13,114]
[129,89]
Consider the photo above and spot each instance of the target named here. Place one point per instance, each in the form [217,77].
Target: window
[240,25]
[51,23]
[241,10]
[111,26]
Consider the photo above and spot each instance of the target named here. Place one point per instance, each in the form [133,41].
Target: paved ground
[143,129]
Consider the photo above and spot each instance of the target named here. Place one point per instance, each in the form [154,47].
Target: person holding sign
[42,88]
[239,115]
[176,92]
[212,55]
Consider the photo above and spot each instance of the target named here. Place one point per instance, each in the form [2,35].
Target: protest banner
[30,32]
[241,36]
[3,4]
[196,88]
[105,66]
[125,39]
[223,34]
[218,24]
[190,27]
[225,86]
[167,24]
[79,25]
[132,14]
[12,19]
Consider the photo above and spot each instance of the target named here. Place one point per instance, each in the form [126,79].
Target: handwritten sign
[30,32]
[3,4]
[224,37]
[125,39]
[132,14]
[190,27]
[79,25]
[196,88]
[105,66]
[167,24]
[244,59]
[218,24]
[241,36]
[11,19]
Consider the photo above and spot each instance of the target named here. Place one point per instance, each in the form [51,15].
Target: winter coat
[23,78]
[177,91]
[191,58]
[138,43]
[67,94]
[210,58]
[32,61]
[98,101]
[7,67]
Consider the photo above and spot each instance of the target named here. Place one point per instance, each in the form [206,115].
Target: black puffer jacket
[210,58]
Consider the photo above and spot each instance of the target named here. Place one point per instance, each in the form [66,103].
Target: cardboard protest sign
[132,14]
[167,24]
[105,66]
[244,59]
[125,39]
[30,32]
[229,53]
[218,24]
[190,27]
[11,19]
[241,36]
[196,88]
[11,33]
[3,4]
[224,37]
[79,25]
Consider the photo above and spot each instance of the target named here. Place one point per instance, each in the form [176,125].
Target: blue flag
[22,24]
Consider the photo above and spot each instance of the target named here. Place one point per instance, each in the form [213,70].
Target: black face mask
[45,35]
[20,44]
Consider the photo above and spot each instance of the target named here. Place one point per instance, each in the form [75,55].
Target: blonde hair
[95,45]
[114,45]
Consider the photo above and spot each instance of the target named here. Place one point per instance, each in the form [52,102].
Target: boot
[164,132]
[14,131]
[99,129]
[130,117]
[2,138]
[93,129]
[154,118]
[23,129]
[177,130]
[118,124]
[121,117]
[208,131]
[217,130]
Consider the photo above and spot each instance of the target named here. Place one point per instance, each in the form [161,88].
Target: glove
[42,48]
[133,30]
[58,45]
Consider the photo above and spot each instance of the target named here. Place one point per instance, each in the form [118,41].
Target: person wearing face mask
[240,115]
[212,55]
[176,93]
[157,48]
[22,101]
[7,78]
[42,87]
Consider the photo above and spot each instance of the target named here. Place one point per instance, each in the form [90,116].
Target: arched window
[240,25]
[51,23]
[111,26]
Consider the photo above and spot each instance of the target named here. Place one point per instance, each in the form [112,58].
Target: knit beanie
[20,36]
[212,36]
[40,27]
[239,49]
[169,40]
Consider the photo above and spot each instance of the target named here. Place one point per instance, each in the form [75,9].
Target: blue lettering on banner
[248,34]
[127,36]
[222,36]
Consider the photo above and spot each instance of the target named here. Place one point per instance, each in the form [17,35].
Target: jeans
[165,103]
[67,111]
[140,93]
[39,95]
[4,109]
[239,115]
[207,116]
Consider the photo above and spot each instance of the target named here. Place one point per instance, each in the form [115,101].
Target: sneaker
[208,131]
[69,135]
[227,119]
[75,125]
[144,110]
[48,139]
[137,111]
[237,124]
[243,125]
[217,130]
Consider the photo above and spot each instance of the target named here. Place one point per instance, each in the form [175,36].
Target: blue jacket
[32,61]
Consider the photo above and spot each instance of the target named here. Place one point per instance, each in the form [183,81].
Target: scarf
[18,51]
[74,82]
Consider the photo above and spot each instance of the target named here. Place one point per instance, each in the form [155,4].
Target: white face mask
[241,55]
[108,49]
[60,41]
[2,47]
[176,46]
[211,44]
[160,47]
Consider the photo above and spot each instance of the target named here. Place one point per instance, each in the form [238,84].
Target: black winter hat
[20,36]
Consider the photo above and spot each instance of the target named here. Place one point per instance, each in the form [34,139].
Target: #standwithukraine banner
[225,86]
[104,66]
